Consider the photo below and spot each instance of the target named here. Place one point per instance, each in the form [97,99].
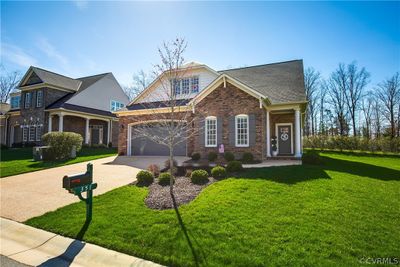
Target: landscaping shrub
[199,177]
[228,156]
[383,144]
[234,166]
[61,143]
[311,157]
[218,172]
[154,169]
[247,157]
[144,178]
[196,156]
[164,178]
[212,156]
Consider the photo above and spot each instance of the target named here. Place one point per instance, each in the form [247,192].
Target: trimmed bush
[228,156]
[196,156]
[247,157]
[144,178]
[164,178]
[234,166]
[218,172]
[154,169]
[61,143]
[199,177]
[212,156]
[311,157]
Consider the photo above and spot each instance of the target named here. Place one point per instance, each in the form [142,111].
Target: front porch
[95,130]
[283,133]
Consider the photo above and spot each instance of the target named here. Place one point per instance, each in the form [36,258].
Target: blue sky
[80,38]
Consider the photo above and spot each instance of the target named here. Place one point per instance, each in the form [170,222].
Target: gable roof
[281,82]
[52,78]
[90,80]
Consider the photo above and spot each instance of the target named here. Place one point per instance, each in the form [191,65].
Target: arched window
[242,130]
[211,131]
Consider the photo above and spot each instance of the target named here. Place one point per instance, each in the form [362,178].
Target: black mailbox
[73,181]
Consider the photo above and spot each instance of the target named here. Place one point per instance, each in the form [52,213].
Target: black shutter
[201,132]
[252,129]
[219,130]
[232,133]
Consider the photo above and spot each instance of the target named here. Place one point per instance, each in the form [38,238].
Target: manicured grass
[19,160]
[333,214]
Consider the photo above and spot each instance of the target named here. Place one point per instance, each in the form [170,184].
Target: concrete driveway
[32,194]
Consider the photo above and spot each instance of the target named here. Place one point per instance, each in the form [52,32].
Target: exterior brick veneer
[225,103]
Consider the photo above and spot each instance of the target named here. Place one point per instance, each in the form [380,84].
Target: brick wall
[225,103]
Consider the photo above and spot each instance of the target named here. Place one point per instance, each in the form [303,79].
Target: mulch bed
[184,190]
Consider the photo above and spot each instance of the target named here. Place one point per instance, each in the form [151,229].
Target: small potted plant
[274,146]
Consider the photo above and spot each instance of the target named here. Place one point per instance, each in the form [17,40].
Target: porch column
[61,122]
[268,136]
[50,123]
[297,129]
[108,131]
[87,133]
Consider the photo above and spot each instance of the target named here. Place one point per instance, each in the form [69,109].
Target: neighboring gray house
[48,101]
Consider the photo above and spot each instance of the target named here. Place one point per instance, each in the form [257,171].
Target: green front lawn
[327,215]
[19,160]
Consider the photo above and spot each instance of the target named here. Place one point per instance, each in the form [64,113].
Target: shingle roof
[57,79]
[90,80]
[157,104]
[61,104]
[281,82]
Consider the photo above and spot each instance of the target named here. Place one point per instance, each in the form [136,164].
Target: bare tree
[337,85]
[377,121]
[176,118]
[311,82]
[367,108]
[323,90]
[356,82]
[140,81]
[8,82]
[388,93]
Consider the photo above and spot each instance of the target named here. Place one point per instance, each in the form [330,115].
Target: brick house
[240,109]
[46,101]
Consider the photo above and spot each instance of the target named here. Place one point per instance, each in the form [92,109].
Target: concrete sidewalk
[36,247]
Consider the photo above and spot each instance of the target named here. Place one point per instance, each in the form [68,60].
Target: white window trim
[241,116]
[41,99]
[118,105]
[25,134]
[26,98]
[32,128]
[38,133]
[209,118]
[18,104]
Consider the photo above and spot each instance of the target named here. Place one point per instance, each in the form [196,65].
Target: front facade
[237,110]
[48,101]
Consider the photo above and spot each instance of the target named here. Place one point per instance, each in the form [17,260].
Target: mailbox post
[79,183]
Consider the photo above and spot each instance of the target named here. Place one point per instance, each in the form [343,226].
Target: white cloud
[51,51]
[81,4]
[16,55]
